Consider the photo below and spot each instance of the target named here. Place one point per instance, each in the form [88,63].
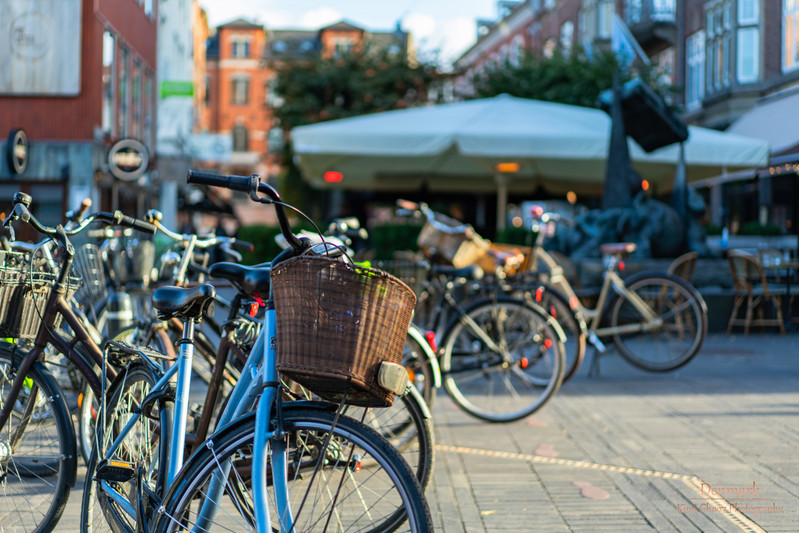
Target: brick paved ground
[629,451]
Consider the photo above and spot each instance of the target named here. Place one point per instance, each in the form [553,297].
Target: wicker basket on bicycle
[336,323]
[451,240]
[24,288]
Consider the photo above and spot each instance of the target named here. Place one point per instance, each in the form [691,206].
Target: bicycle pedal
[115,470]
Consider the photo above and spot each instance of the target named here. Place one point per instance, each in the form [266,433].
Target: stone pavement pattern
[632,451]
[628,450]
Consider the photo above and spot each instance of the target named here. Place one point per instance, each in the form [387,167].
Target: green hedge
[391,237]
[755,228]
[511,235]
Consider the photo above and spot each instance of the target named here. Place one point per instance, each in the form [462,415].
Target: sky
[443,27]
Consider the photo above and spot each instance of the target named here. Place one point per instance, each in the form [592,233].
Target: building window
[595,20]
[124,57]
[240,46]
[147,100]
[748,54]
[109,71]
[135,123]
[748,12]
[341,46]
[695,70]
[790,35]
[240,92]
[239,138]
[566,37]
[718,46]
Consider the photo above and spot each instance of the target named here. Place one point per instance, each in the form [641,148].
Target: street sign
[128,159]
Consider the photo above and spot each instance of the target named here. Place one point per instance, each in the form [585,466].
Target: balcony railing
[647,11]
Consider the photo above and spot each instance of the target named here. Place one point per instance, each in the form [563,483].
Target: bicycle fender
[431,359]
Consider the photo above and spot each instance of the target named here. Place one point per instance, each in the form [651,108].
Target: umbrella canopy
[457,147]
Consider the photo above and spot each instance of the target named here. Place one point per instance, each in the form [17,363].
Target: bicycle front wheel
[503,359]
[101,508]
[38,456]
[357,482]
[676,333]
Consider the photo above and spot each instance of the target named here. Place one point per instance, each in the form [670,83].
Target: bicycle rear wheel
[38,459]
[358,483]
[503,359]
[682,316]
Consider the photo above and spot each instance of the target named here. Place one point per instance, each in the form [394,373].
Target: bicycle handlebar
[437,220]
[253,186]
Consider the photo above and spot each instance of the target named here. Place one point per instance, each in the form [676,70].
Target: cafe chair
[684,266]
[751,288]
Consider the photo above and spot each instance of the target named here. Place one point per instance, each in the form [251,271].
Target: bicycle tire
[684,316]
[234,443]
[506,386]
[408,426]
[571,322]
[38,470]
[99,512]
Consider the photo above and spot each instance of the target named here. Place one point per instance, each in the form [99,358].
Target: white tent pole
[502,199]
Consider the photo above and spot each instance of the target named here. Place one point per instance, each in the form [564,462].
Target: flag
[624,45]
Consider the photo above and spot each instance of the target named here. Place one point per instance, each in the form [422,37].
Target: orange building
[240,61]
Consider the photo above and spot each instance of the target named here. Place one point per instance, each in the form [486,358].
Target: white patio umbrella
[459,147]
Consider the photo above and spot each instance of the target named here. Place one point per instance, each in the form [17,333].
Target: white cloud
[458,34]
[420,25]
[448,37]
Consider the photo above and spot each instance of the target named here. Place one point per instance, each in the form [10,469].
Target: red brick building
[92,84]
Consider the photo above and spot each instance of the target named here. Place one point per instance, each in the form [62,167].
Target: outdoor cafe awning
[461,147]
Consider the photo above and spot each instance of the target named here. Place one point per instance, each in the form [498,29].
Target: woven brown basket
[23,295]
[336,323]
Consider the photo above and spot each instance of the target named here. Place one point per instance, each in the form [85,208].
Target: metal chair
[751,287]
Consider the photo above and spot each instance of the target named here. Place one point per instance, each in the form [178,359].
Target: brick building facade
[93,84]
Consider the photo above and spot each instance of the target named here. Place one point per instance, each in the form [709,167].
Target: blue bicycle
[289,466]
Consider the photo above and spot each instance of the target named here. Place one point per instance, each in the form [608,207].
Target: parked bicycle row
[318,380]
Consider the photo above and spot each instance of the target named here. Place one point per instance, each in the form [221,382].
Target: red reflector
[553,312]
[358,466]
[431,340]
[574,303]
[539,294]
[331,176]
[524,362]
[547,343]
[253,309]
[621,265]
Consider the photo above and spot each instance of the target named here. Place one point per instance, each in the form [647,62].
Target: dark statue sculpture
[654,226]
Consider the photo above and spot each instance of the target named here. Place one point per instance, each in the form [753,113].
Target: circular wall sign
[128,159]
[17,151]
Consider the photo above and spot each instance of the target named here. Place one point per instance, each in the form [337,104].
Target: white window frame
[747,54]
[695,70]
[753,16]
[790,25]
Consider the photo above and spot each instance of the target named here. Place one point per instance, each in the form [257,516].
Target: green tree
[572,78]
[363,81]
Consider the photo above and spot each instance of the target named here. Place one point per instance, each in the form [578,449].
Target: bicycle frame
[610,281]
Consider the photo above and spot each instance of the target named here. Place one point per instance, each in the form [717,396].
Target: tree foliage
[574,78]
[319,89]
[360,82]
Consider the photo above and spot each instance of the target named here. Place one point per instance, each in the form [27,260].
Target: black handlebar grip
[236,183]
[130,222]
[242,246]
